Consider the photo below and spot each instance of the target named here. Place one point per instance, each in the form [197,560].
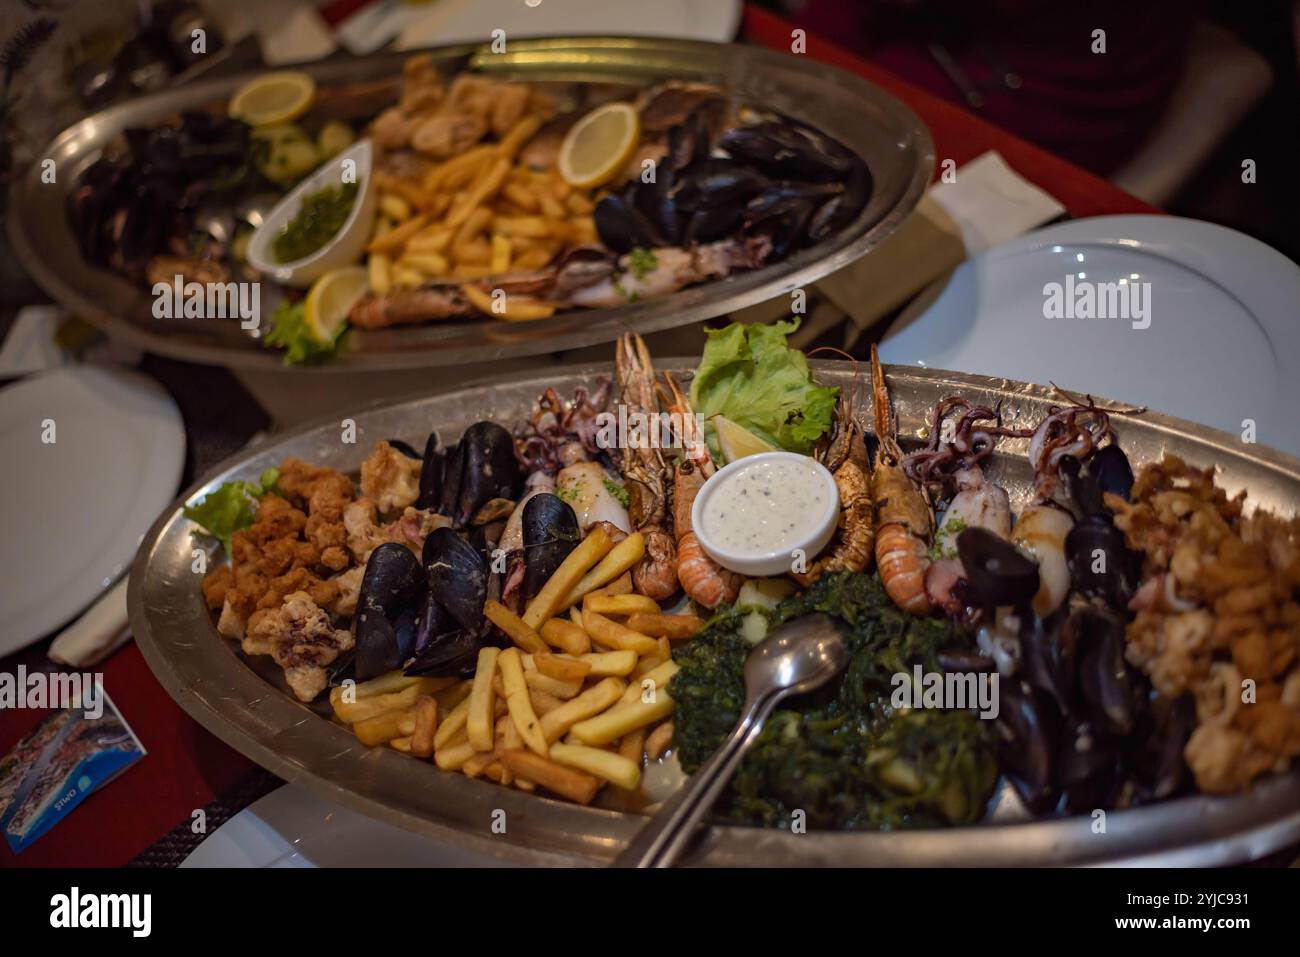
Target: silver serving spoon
[797,657]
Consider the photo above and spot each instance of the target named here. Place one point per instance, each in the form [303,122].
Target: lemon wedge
[279,97]
[330,300]
[735,441]
[599,145]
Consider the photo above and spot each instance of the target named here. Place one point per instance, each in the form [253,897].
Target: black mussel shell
[432,622]
[1112,472]
[706,225]
[1101,563]
[453,465]
[458,577]
[655,202]
[1047,659]
[789,151]
[383,626]
[964,661]
[431,474]
[489,469]
[997,573]
[622,227]
[1084,493]
[1107,684]
[405,448]
[838,211]
[1087,769]
[1172,774]
[1029,733]
[452,654]
[718,182]
[551,531]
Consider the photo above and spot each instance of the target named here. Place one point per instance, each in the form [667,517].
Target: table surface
[187,768]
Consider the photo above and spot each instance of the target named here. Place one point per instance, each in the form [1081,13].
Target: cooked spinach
[841,754]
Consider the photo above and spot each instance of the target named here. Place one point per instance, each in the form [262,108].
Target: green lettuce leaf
[290,332]
[750,375]
[231,507]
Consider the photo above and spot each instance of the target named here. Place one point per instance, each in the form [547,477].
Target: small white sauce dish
[347,245]
[813,535]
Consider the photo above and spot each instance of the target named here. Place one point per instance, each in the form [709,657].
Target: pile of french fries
[480,214]
[577,701]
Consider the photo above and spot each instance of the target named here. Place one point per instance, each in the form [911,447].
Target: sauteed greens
[841,755]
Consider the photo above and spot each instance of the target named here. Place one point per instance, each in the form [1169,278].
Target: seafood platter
[460,204]
[1072,627]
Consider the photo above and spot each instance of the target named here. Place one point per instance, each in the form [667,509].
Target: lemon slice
[735,441]
[599,145]
[279,97]
[331,298]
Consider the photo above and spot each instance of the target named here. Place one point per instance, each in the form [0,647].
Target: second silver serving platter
[886,134]
[245,704]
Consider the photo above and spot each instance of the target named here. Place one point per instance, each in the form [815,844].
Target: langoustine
[901,513]
[705,581]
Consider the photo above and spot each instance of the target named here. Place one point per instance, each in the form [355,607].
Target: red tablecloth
[187,767]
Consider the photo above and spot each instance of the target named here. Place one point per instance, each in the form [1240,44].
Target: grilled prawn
[705,581]
[902,515]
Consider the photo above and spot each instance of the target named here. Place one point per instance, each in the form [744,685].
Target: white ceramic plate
[1222,347]
[291,827]
[472,21]
[73,511]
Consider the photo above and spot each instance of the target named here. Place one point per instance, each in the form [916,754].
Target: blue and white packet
[58,764]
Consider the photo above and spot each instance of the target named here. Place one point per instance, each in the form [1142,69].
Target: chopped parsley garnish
[951,528]
[642,261]
[618,491]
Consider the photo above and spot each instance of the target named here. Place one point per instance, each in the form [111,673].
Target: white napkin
[992,203]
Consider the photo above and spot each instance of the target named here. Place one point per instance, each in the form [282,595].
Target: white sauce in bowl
[769,506]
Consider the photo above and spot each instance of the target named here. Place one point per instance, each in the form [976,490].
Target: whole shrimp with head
[952,462]
[902,514]
[705,581]
[645,473]
[845,457]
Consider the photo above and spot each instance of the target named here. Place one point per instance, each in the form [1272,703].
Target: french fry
[622,719]
[453,755]
[404,277]
[566,636]
[621,605]
[514,308]
[394,207]
[486,186]
[401,744]
[519,632]
[562,669]
[591,702]
[500,254]
[474,224]
[646,665]
[521,196]
[451,696]
[580,204]
[425,724]
[478,764]
[517,700]
[567,782]
[398,235]
[558,184]
[453,724]
[478,722]
[620,559]
[552,686]
[372,705]
[533,227]
[632,745]
[518,135]
[470,159]
[467,272]
[436,239]
[547,601]
[533,259]
[379,273]
[603,764]
[658,677]
[606,663]
[431,264]
[552,208]
[657,741]
[543,703]
[617,637]
[619,586]
[575,616]
[412,196]
[382,728]
[658,625]
[665,649]
[390,682]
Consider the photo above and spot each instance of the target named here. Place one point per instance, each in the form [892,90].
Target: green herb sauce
[321,216]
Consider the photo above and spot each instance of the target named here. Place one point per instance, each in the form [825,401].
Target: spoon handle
[663,839]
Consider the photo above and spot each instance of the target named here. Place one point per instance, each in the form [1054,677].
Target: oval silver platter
[885,133]
[244,702]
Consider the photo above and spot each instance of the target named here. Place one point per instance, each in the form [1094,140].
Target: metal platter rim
[211,682]
[564,331]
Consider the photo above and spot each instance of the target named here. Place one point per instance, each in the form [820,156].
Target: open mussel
[1029,739]
[384,625]
[431,474]
[623,227]
[1101,563]
[1107,685]
[789,151]
[550,532]
[451,626]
